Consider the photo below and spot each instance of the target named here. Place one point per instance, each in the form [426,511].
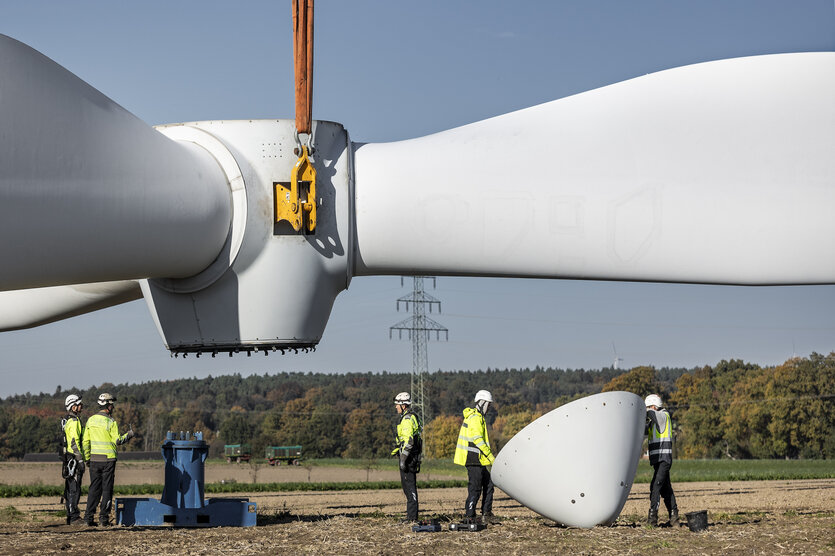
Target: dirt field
[762,517]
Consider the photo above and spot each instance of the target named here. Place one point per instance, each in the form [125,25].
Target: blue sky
[395,70]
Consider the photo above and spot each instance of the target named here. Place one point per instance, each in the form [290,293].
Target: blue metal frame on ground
[218,512]
[182,503]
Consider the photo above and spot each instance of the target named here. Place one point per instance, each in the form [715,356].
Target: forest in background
[732,410]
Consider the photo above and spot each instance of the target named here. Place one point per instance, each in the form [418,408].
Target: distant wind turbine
[618,360]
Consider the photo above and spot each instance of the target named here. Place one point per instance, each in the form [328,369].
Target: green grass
[24,491]
[823,514]
[10,513]
[682,471]
[216,488]
[739,517]
[701,470]
[27,491]
[428,466]
[662,544]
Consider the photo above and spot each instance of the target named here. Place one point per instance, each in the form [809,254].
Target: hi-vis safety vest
[661,442]
[473,446]
[101,436]
[408,433]
[408,441]
[72,436]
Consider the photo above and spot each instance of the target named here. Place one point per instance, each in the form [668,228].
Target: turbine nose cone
[576,464]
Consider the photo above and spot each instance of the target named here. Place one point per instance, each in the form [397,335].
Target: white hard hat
[105,399]
[484,395]
[403,398]
[72,400]
[653,399]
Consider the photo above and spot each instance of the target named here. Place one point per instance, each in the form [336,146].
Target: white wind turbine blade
[721,172]
[35,307]
[89,192]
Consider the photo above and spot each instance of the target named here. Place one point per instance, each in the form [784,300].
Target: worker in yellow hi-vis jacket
[72,468]
[408,446]
[101,436]
[473,451]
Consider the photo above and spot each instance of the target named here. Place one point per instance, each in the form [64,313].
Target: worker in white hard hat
[72,468]
[473,452]
[408,448]
[101,436]
[660,442]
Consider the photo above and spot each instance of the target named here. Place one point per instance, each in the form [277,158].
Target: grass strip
[695,470]
[217,488]
[26,491]
[428,466]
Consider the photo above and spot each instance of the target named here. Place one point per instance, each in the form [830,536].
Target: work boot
[652,518]
[674,517]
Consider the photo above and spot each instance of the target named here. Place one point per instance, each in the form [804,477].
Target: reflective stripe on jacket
[660,442]
[101,436]
[72,436]
[473,446]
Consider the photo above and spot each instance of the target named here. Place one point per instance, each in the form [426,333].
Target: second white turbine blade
[721,172]
[21,309]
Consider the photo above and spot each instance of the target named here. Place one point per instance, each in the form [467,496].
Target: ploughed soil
[751,517]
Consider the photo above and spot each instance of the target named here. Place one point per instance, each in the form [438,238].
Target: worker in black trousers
[473,451]
[660,443]
[408,448]
[101,436]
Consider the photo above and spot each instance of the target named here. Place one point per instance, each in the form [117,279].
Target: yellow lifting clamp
[288,203]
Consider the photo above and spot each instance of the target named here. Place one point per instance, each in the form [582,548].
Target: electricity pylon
[419,329]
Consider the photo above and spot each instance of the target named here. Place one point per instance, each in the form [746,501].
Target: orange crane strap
[303,62]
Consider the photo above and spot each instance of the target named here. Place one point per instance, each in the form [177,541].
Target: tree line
[733,409]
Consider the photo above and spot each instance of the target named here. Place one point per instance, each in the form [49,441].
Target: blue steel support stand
[182,503]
